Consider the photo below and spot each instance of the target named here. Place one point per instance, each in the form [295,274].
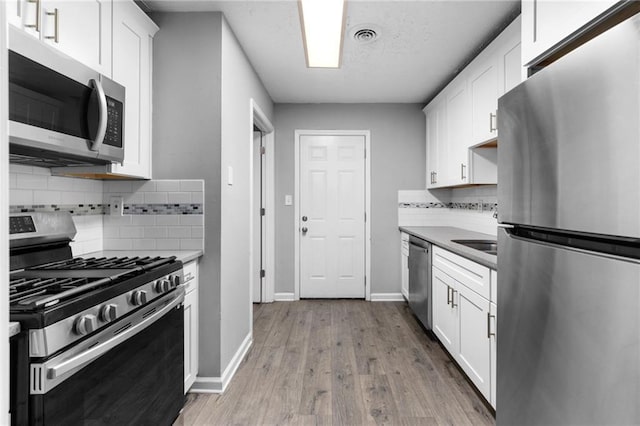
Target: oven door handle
[94,352]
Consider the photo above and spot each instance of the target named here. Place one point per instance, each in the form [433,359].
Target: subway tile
[46,197]
[143,220]
[44,171]
[59,183]
[134,198]
[179,198]
[167,244]
[93,197]
[197,232]
[192,220]
[143,186]
[19,168]
[25,181]
[197,198]
[167,220]
[71,197]
[117,186]
[155,197]
[82,185]
[191,244]
[118,221]
[192,185]
[21,197]
[155,232]
[144,244]
[118,244]
[179,232]
[168,185]
[133,232]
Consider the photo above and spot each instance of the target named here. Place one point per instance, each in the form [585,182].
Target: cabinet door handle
[56,21]
[453,300]
[462,167]
[489,333]
[448,295]
[435,177]
[493,127]
[37,24]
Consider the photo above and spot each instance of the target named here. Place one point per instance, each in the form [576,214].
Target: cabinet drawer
[190,271]
[469,273]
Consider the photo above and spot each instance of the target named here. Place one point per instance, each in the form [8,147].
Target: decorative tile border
[161,209]
[74,209]
[486,207]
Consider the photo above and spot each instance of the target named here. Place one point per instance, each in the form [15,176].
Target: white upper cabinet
[133,33]
[458,132]
[546,24]
[483,84]
[80,29]
[464,115]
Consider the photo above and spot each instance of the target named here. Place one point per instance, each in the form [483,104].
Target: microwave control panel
[115,119]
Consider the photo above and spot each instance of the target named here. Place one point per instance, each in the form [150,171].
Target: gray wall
[397,162]
[240,84]
[187,141]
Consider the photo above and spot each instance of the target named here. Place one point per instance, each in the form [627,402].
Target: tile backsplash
[157,214]
[453,207]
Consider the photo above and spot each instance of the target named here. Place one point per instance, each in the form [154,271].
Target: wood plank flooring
[340,362]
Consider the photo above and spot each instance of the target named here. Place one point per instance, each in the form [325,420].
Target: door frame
[367,202]
[260,120]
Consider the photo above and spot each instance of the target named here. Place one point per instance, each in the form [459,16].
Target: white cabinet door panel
[475,343]
[445,315]
[484,100]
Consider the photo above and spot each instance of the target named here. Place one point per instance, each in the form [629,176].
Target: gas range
[75,311]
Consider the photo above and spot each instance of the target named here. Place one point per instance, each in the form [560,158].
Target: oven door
[131,374]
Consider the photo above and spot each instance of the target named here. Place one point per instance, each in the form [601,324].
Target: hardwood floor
[340,362]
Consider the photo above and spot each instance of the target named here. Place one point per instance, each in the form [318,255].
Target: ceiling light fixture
[322,31]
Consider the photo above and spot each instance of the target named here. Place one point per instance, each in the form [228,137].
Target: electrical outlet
[115,206]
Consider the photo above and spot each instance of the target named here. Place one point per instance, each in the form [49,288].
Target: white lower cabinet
[190,324]
[465,321]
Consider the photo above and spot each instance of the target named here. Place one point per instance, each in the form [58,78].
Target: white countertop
[442,236]
[183,255]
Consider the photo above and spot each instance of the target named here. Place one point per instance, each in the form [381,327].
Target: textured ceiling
[421,46]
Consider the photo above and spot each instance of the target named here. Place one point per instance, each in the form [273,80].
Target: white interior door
[332,216]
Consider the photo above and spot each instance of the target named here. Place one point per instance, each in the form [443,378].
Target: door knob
[304,218]
[304,229]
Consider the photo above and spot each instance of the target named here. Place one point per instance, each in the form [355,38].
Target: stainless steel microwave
[61,112]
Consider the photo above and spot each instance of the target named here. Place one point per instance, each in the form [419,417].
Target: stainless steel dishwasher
[420,280]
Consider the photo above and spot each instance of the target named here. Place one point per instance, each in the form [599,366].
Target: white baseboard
[219,384]
[387,297]
[284,297]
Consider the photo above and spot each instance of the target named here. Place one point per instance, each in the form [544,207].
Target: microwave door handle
[102,118]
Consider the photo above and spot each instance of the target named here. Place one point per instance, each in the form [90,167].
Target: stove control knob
[139,297]
[175,280]
[108,312]
[162,286]
[85,324]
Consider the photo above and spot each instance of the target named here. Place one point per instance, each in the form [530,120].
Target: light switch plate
[288,200]
[115,206]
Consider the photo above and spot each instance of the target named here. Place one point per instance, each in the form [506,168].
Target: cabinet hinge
[262,273]
[262,212]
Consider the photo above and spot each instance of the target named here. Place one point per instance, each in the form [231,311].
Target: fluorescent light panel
[322,25]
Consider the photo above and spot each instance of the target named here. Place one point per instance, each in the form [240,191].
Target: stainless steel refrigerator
[569,264]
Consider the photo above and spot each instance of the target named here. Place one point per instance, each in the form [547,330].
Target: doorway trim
[367,203]
[260,120]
